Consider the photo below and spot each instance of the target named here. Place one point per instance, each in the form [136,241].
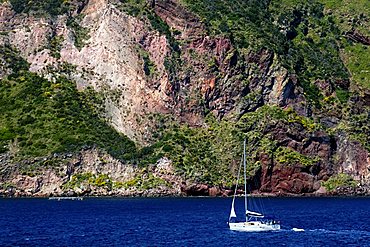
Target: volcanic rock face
[297,178]
[354,160]
[79,175]
[141,71]
[109,65]
[114,67]
[218,86]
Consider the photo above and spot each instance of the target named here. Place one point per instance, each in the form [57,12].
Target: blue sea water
[180,222]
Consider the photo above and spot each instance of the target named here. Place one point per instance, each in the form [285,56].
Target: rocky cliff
[108,97]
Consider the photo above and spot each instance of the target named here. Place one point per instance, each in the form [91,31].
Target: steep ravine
[187,96]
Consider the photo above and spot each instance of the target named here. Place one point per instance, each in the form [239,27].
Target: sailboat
[254,221]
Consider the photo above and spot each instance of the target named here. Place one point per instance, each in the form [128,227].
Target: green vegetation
[199,154]
[269,115]
[313,39]
[349,14]
[211,154]
[206,153]
[256,125]
[81,34]
[40,117]
[142,181]
[50,7]
[290,157]
[247,23]
[11,60]
[342,95]
[352,15]
[339,180]
[55,45]
[306,39]
[136,8]
[357,126]
[84,179]
[148,66]
[306,36]
[357,60]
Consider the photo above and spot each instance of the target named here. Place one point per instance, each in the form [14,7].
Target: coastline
[140,195]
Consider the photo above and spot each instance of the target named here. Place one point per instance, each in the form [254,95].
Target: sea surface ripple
[180,222]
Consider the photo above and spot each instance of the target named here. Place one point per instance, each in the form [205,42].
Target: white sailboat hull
[253,226]
[253,220]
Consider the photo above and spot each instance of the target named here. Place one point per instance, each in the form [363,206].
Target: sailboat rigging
[254,221]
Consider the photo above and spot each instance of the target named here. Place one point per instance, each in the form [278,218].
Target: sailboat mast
[245,182]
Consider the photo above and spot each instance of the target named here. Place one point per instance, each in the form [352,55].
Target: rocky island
[154,97]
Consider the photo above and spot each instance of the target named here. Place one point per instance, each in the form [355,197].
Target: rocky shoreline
[94,173]
[313,195]
[204,191]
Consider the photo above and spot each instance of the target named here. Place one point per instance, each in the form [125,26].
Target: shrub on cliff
[339,180]
[51,7]
[40,118]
